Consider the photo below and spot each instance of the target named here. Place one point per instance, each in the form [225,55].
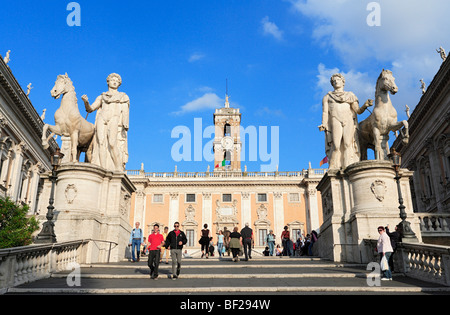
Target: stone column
[207,210]
[278,215]
[139,207]
[312,208]
[246,208]
[174,208]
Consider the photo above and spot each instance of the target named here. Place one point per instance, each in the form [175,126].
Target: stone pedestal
[355,202]
[92,203]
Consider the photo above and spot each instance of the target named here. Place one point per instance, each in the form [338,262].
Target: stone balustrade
[20,265]
[434,223]
[228,174]
[425,262]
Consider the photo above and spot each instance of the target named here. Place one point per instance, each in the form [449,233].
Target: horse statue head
[63,85]
[386,82]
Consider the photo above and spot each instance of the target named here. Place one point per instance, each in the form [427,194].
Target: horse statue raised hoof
[69,122]
[374,131]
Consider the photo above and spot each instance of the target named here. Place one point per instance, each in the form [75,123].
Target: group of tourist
[233,242]
[236,242]
[156,245]
[303,245]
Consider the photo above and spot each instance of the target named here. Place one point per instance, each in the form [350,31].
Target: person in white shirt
[384,248]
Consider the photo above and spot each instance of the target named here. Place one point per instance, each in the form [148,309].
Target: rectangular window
[190,238]
[294,197]
[190,197]
[262,197]
[158,198]
[295,234]
[262,237]
[226,197]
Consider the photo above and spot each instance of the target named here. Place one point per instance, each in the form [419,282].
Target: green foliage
[16,227]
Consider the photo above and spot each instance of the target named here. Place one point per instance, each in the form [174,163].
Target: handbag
[384,263]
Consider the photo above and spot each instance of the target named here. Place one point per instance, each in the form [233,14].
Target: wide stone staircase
[222,276]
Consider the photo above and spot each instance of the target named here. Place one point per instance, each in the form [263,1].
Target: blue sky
[175,57]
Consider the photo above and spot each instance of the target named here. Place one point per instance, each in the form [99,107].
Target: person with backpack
[136,238]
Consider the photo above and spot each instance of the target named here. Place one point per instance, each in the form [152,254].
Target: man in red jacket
[155,241]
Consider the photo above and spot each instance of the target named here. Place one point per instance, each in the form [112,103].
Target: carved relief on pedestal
[125,203]
[379,189]
[327,204]
[71,193]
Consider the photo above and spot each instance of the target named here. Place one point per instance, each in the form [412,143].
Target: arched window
[227,130]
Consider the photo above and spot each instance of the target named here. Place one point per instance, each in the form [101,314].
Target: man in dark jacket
[175,241]
[395,237]
[247,238]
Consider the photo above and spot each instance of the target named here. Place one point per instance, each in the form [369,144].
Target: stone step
[201,276]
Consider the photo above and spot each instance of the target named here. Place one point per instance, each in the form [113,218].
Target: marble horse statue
[69,122]
[374,131]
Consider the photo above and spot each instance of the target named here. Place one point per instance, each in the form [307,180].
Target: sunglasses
[176,226]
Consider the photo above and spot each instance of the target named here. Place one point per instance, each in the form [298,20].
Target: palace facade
[428,150]
[228,196]
[22,158]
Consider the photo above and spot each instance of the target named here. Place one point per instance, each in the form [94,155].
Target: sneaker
[174,277]
[385,279]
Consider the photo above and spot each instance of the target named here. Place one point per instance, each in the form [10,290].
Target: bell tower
[227,142]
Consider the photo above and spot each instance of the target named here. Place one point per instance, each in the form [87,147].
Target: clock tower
[227,142]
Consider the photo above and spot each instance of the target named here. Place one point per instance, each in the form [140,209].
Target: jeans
[176,261]
[287,247]
[387,273]
[135,246]
[219,248]
[247,243]
[271,247]
[153,262]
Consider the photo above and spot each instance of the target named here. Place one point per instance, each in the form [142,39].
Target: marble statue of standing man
[111,125]
[339,121]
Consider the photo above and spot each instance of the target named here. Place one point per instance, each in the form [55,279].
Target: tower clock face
[227,143]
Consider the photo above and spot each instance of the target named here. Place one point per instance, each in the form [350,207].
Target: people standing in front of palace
[175,240]
[226,240]
[220,240]
[204,240]
[395,238]
[384,249]
[286,242]
[164,249]
[270,240]
[155,241]
[247,239]
[314,238]
[235,243]
[136,239]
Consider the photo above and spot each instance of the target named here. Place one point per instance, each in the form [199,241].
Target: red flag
[324,161]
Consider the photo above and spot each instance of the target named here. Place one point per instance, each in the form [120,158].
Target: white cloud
[196,57]
[207,101]
[270,28]
[406,41]
[266,111]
